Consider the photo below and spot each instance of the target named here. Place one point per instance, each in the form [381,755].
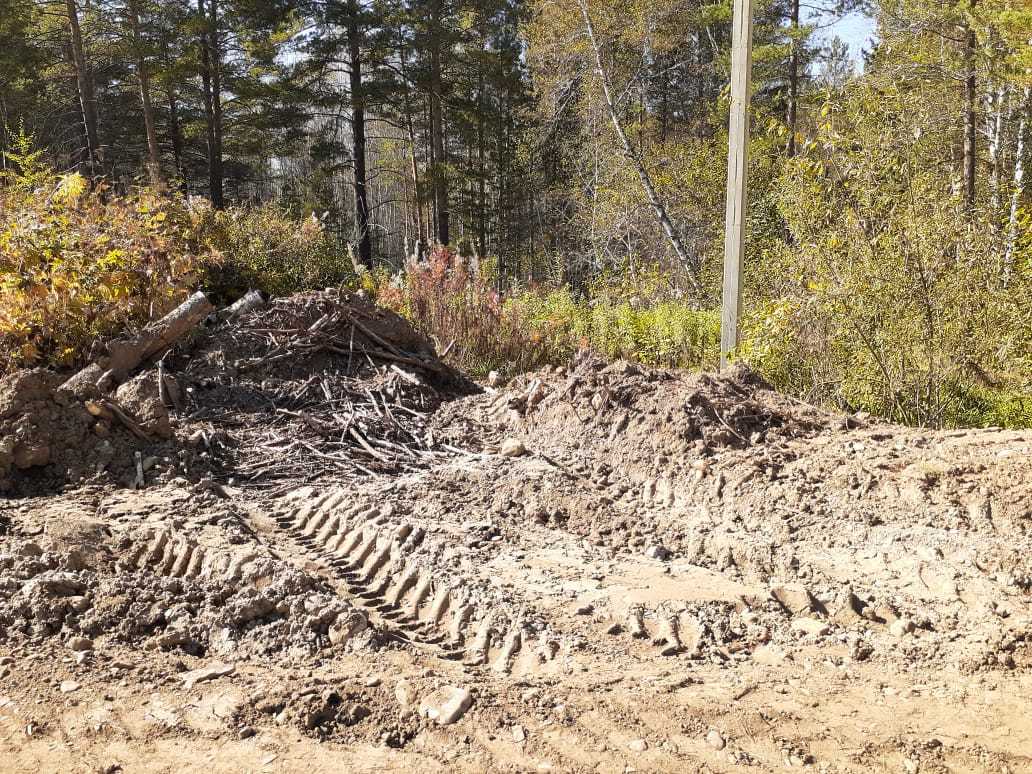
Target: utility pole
[737,177]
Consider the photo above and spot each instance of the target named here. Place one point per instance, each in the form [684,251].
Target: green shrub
[77,265]
[263,248]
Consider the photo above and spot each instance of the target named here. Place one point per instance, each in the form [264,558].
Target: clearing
[346,556]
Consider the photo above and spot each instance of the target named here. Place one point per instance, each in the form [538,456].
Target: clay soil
[600,567]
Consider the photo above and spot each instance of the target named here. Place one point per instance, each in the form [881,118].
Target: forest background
[525,177]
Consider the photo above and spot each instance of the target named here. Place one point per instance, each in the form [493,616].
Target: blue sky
[857,30]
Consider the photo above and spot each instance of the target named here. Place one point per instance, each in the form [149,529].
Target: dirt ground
[601,567]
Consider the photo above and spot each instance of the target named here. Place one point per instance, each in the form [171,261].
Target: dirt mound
[911,529]
[652,414]
[599,567]
[269,398]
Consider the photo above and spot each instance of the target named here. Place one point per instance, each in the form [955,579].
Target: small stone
[811,627]
[404,692]
[795,598]
[715,739]
[78,644]
[587,609]
[901,627]
[657,552]
[246,732]
[494,379]
[518,733]
[512,447]
[372,681]
[69,686]
[446,705]
[346,627]
[638,745]
[190,679]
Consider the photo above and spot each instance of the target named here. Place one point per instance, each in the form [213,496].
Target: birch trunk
[690,263]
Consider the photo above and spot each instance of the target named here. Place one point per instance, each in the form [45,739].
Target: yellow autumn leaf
[70,187]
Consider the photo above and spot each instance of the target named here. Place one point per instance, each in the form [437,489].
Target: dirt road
[595,568]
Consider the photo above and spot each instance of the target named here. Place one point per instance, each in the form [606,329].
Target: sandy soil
[597,568]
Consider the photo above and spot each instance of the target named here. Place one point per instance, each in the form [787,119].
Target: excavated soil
[595,568]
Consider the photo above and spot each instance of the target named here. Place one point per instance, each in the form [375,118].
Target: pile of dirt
[596,567]
[266,398]
[897,528]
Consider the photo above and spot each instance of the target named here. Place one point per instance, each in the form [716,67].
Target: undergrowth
[79,263]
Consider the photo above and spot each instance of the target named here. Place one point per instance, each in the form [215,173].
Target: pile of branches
[321,385]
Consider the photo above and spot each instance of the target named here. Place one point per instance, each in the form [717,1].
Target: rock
[512,447]
[346,627]
[769,655]
[811,627]
[586,609]
[638,745]
[404,692]
[58,584]
[78,644]
[69,686]
[79,604]
[518,733]
[715,739]
[494,379]
[657,552]
[245,733]
[446,705]
[901,627]
[190,679]
[796,599]
[372,681]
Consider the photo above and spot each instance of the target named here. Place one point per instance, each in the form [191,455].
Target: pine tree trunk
[420,230]
[143,75]
[1021,151]
[482,171]
[87,97]
[176,137]
[793,82]
[211,85]
[437,128]
[970,101]
[364,239]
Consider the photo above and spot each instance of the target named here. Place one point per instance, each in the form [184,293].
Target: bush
[891,295]
[77,265]
[483,331]
[478,329]
[263,248]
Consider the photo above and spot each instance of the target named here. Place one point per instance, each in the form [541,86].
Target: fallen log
[126,354]
[253,299]
[123,355]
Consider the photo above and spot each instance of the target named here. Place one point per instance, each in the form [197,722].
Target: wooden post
[737,173]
